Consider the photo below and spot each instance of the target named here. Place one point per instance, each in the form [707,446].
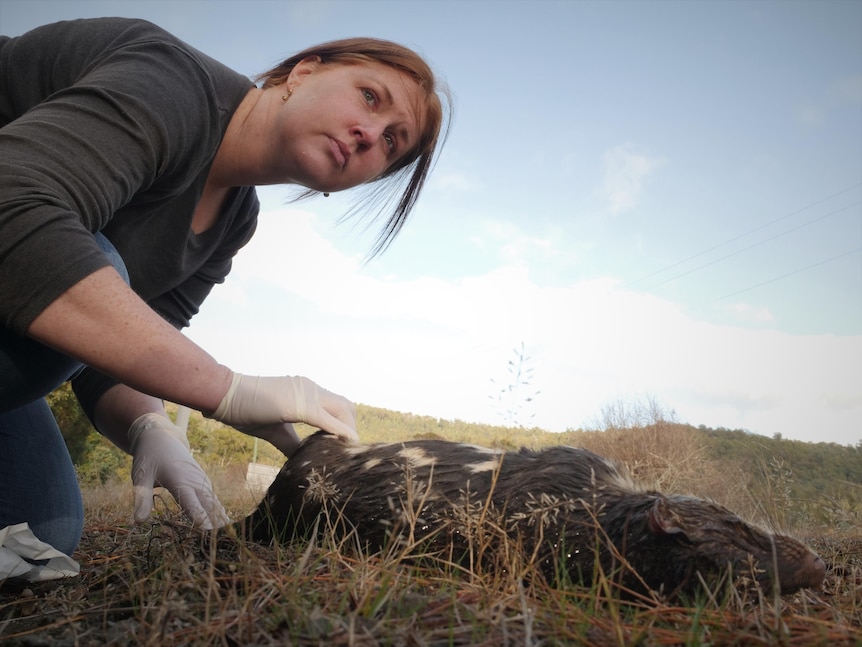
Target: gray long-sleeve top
[111,125]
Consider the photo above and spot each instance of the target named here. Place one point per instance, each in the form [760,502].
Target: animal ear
[661,519]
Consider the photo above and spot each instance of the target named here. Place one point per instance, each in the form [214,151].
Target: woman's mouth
[339,152]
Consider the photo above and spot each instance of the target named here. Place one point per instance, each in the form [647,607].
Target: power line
[742,235]
[785,275]
[757,244]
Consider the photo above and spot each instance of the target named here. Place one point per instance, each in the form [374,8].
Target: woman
[126,186]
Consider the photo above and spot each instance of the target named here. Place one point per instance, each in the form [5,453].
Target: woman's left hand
[161,457]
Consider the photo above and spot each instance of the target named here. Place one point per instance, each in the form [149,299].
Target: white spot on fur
[480,450]
[371,463]
[355,450]
[485,466]
[416,457]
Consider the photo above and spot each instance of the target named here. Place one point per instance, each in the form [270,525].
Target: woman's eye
[390,141]
[369,96]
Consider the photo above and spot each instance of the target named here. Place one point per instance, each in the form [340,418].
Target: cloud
[737,401]
[431,346]
[625,173]
[846,401]
[746,312]
[513,244]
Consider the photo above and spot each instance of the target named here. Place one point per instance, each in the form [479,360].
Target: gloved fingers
[162,458]
[193,491]
[339,407]
[143,482]
[216,514]
[333,413]
[187,498]
[336,427]
[143,502]
[335,405]
[258,400]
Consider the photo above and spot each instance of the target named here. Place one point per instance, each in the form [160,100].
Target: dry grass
[163,584]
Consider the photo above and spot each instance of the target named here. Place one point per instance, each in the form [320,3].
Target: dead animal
[571,512]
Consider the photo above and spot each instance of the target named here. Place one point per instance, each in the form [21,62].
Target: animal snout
[816,572]
[807,573]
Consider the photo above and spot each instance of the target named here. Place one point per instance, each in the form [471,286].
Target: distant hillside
[783,483]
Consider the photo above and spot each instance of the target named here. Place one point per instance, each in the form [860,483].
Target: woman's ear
[301,70]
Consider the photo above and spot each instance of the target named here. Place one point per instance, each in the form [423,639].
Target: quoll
[568,508]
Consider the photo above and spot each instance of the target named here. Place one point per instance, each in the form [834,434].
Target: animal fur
[568,510]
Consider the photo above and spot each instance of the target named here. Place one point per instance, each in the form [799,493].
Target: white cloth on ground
[18,544]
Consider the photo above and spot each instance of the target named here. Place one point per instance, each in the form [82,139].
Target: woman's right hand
[252,401]
[104,324]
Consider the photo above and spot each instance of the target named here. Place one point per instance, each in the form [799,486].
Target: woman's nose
[366,135]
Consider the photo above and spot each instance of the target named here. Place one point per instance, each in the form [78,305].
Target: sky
[647,200]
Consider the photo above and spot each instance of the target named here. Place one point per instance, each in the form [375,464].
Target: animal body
[568,509]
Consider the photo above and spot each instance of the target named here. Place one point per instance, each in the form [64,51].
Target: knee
[38,483]
[63,533]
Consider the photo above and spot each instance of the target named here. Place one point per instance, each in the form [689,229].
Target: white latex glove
[281,435]
[254,401]
[161,456]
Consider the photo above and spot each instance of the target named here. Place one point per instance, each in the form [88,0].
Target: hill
[782,483]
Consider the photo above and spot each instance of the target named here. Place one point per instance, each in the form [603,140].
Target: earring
[326,195]
[285,97]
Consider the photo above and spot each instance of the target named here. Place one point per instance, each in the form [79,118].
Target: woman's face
[344,125]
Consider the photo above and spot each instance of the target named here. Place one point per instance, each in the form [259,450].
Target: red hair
[411,170]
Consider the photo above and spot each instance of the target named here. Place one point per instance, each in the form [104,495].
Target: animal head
[690,536]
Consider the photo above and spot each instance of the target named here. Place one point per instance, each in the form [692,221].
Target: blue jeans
[37,479]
